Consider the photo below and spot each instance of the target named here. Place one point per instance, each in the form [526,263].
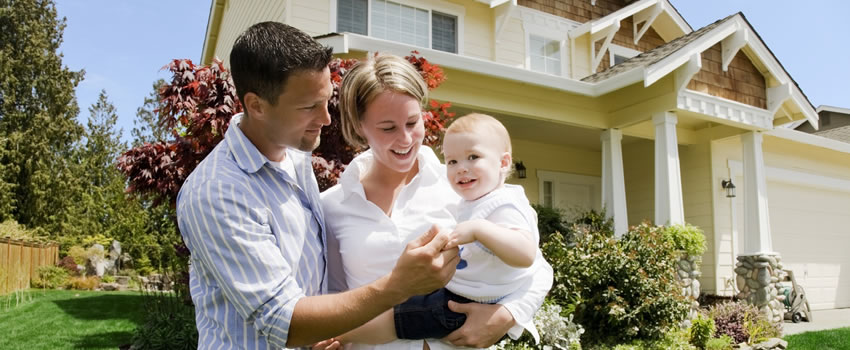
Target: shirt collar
[247,156]
[430,169]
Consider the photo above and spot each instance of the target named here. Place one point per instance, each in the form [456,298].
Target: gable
[741,82]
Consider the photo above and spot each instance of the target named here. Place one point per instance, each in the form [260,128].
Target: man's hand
[485,324]
[424,266]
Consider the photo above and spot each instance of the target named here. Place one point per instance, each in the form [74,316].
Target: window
[544,55]
[399,22]
[620,54]
[547,194]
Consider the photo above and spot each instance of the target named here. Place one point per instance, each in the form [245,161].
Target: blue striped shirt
[257,242]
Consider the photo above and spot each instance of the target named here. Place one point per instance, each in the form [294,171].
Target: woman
[395,191]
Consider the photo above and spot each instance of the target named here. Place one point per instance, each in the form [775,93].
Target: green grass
[833,339]
[70,319]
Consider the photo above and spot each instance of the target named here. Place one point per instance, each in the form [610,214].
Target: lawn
[833,339]
[71,319]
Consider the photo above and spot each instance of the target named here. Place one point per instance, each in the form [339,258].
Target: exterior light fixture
[729,187]
[520,170]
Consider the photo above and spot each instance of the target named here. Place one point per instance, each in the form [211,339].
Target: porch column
[613,181]
[759,268]
[668,180]
[756,220]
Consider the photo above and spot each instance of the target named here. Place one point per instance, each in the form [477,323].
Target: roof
[655,55]
[841,133]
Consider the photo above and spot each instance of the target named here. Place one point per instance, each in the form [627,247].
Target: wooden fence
[19,261]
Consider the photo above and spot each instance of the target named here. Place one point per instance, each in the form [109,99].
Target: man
[251,217]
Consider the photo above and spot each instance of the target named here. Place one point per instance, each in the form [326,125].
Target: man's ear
[254,105]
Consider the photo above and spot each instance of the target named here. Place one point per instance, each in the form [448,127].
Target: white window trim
[618,50]
[441,6]
[561,38]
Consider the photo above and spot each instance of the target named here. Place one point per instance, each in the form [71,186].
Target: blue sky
[123,44]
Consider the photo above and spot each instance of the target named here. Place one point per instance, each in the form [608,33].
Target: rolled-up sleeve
[524,303]
[232,246]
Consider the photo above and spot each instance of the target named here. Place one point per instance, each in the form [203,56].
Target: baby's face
[474,163]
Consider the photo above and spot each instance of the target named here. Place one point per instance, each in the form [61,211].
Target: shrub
[722,343]
[702,329]
[676,339]
[78,254]
[11,228]
[84,283]
[687,238]
[169,324]
[99,238]
[549,221]
[69,265]
[107,279]
[742,322]
[618,290]
[50,277]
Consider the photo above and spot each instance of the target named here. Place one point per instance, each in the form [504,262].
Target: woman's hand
[330,344]
[485,324]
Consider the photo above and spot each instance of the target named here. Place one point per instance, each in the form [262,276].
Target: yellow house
[621,105]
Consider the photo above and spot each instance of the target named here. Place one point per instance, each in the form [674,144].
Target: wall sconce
[729,187]
[520,170]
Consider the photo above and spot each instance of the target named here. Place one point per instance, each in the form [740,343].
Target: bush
[50,277]
[78,254]
[702,329]
[722,343]
[107,279]
[169,324]
[742,322]
[676,339]
[84,283]
[687,238]
[549,221]
[69,265]
[11,228]
[618,290]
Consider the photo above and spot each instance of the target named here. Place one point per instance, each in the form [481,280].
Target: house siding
[625,37]
[311,16]
[541,156]
[695,168]
[241,14]
[511,46]
[742,82]
[577,10]
[639,173]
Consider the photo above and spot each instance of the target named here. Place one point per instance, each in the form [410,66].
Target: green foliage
[11,228]
[759,329]
[676,339]
[550,220]
[556,331]
[701,330]
[79,254]
[619,290]
[687,238]
[107,279]
[722,343]
[99,238]
[50,277]
[169,324]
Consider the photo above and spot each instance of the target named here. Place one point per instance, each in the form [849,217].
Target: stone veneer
[687,271]
[758,279]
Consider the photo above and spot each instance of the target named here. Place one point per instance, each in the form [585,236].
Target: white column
[756,220]
[668,181]
[613,181]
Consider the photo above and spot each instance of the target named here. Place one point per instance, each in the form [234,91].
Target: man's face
[301,111]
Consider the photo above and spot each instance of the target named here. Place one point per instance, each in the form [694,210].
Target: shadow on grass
[105,307]
[105,340]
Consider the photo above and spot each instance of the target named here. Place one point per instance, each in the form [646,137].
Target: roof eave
[213,27]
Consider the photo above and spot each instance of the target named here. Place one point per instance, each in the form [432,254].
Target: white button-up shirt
[364,243]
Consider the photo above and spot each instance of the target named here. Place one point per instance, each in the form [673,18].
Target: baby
[496,232]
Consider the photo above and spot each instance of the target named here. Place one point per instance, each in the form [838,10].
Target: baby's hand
[463,233]
[330,344]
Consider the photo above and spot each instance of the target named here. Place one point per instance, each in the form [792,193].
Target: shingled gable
[735,33]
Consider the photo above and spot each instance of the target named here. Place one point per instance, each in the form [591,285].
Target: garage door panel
[810,228]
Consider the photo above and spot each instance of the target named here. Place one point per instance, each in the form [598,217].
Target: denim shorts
[428,316]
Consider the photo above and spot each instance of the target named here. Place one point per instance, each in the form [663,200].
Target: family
[404,253]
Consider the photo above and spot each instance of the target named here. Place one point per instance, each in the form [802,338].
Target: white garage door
[810,228]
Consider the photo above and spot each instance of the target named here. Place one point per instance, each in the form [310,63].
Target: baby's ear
[507,161]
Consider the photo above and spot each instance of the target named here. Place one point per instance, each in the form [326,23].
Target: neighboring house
[834,123]
[622,105]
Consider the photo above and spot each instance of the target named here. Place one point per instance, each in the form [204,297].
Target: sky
[122,44]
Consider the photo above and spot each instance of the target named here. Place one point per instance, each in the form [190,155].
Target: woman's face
[393,127]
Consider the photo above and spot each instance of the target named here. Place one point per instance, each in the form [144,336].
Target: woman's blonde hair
[368,79]
[483,124]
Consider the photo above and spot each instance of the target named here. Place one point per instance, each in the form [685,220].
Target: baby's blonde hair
[483,124]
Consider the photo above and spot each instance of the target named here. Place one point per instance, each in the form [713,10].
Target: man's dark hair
[266,54]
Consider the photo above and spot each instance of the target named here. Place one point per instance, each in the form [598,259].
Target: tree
[38,126]
[147,123]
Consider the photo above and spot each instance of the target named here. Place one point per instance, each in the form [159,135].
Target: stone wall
[687,270]
[758,279]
